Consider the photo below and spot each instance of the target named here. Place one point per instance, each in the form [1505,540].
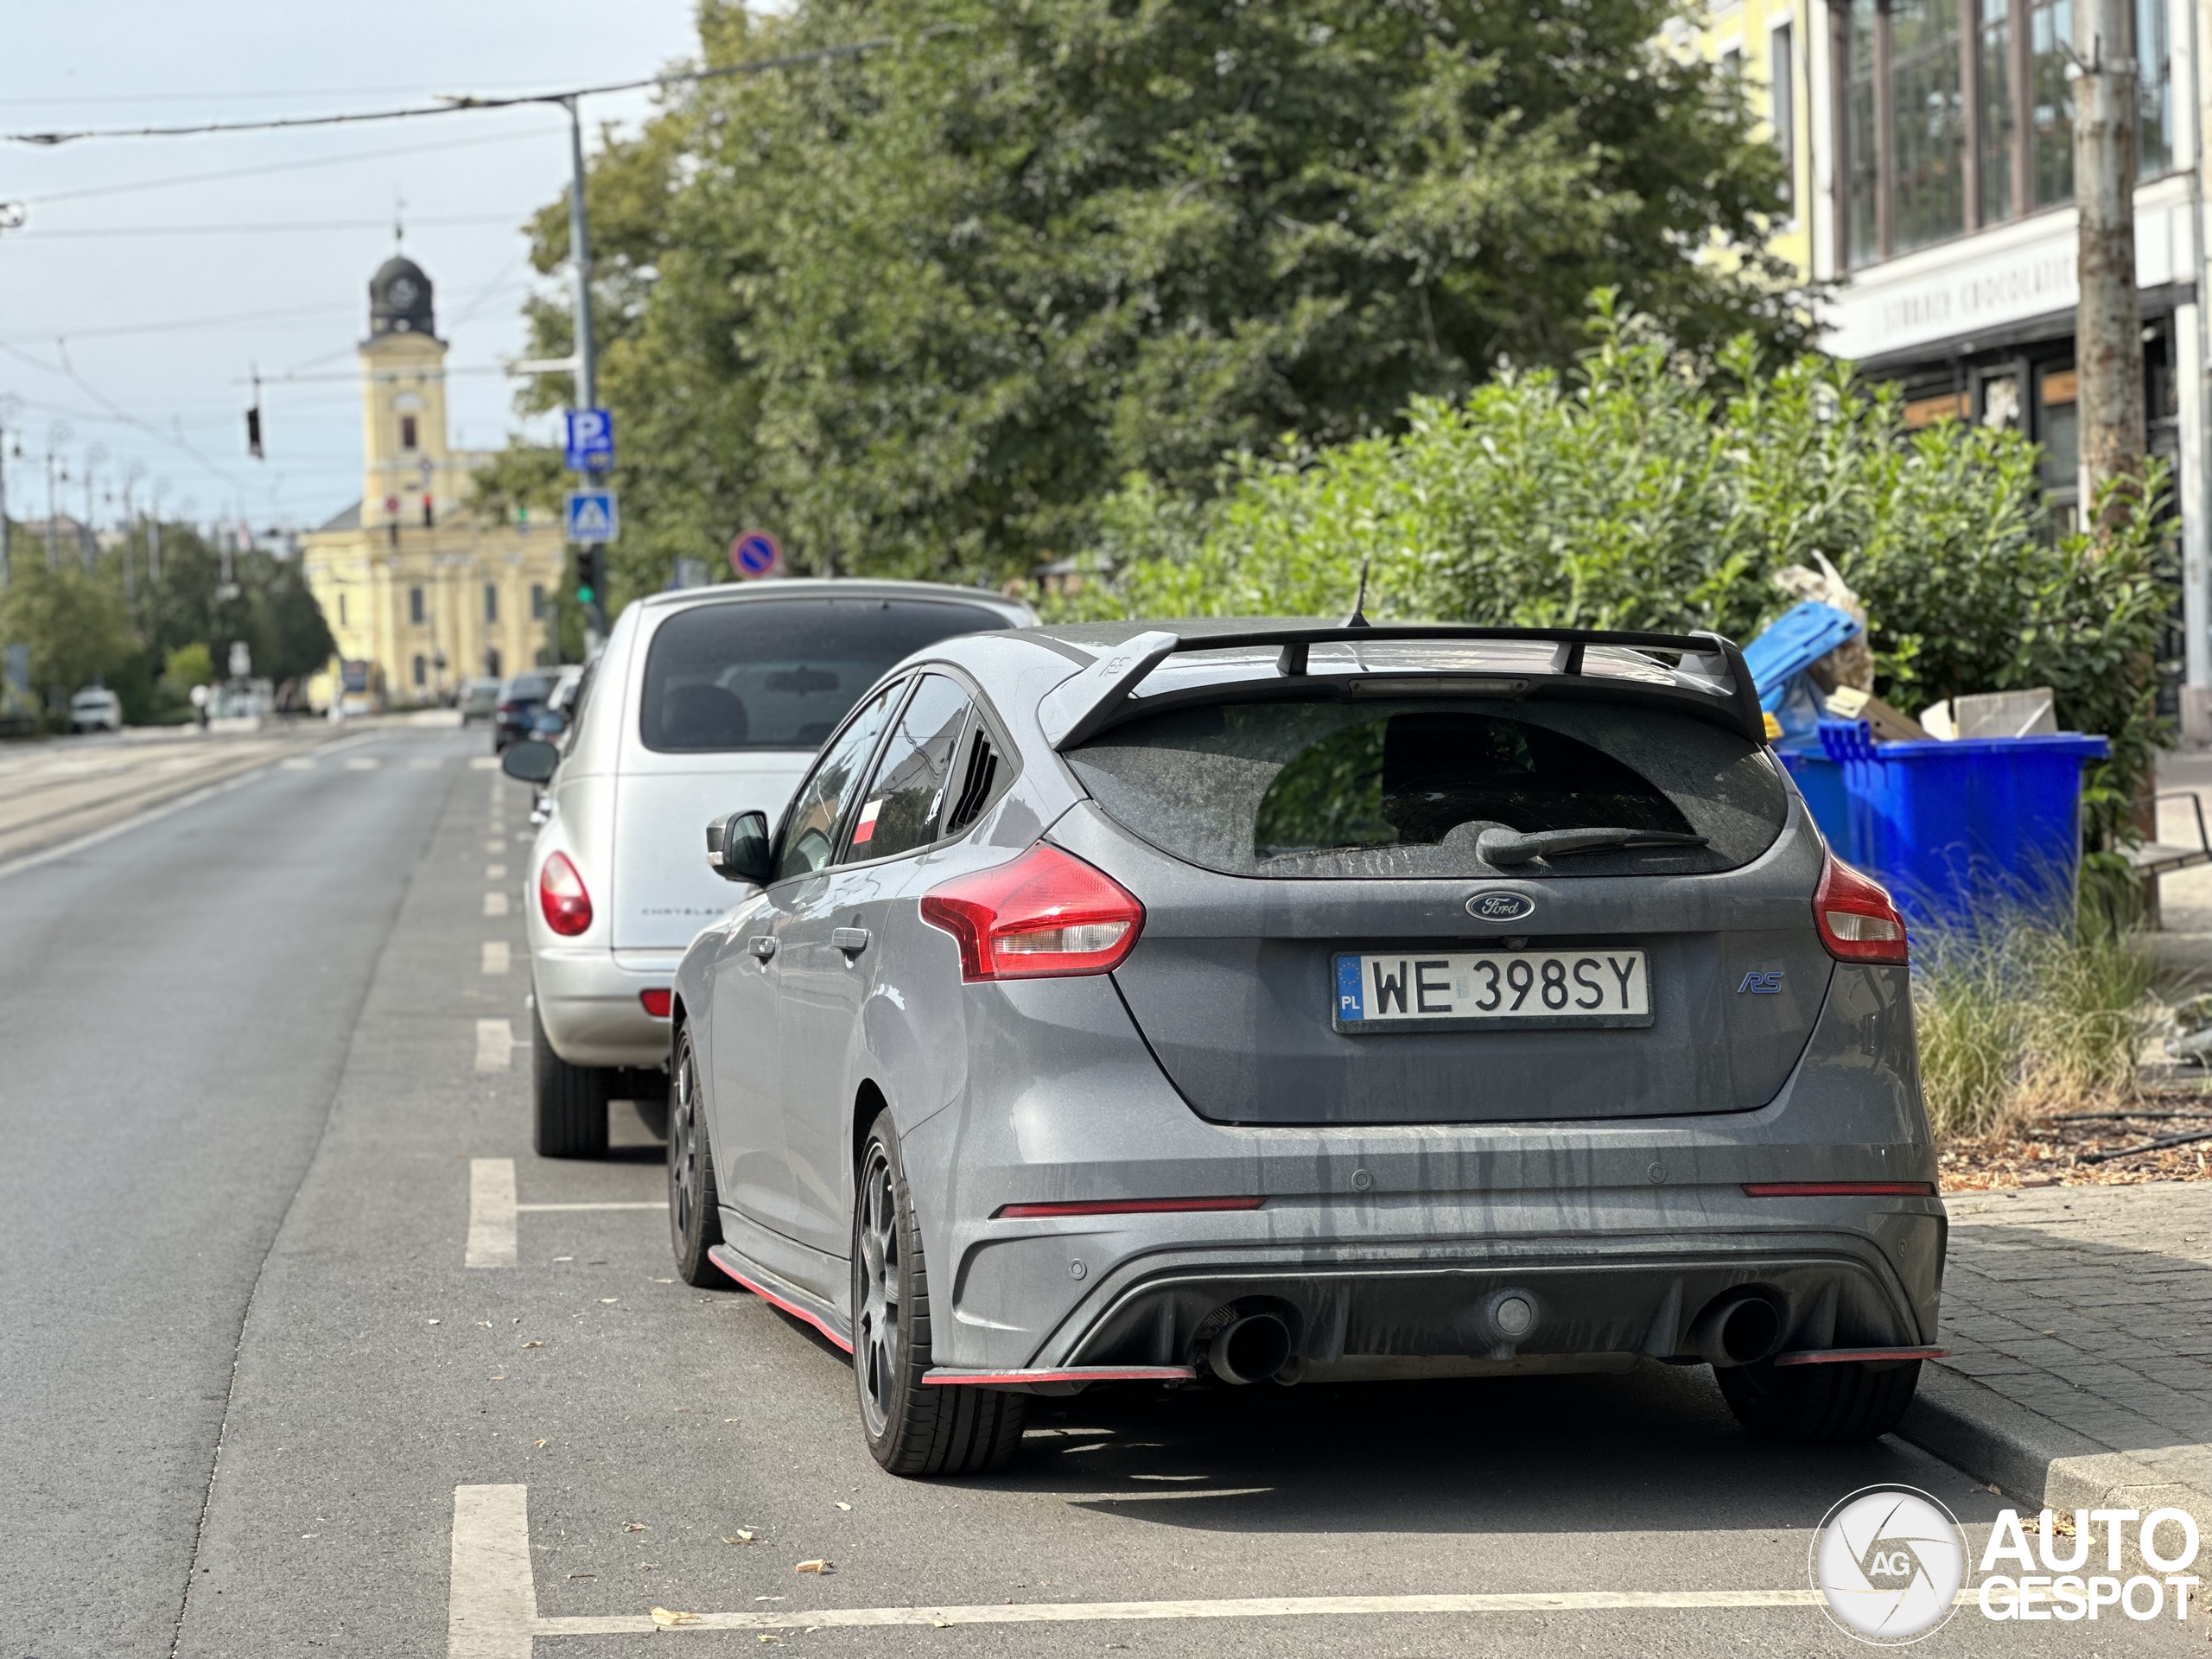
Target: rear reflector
[1857,920]
[657,1002]
[1120,1207]
[1839,1189]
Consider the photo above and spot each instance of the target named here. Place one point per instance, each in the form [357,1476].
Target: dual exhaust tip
[1740,1328]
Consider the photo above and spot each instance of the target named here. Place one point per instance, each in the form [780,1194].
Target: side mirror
[529,760]
[737,846]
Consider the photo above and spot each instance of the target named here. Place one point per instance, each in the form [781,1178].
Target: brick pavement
[2088,1312]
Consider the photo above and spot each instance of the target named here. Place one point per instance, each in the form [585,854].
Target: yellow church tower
[421,594]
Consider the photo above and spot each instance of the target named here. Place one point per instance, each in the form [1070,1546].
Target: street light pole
[586,379]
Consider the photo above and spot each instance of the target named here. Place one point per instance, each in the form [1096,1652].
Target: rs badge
[1760,984]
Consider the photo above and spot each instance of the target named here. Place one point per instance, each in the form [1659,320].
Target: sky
[141,294]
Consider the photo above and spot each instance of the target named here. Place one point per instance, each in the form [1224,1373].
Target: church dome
[399,299]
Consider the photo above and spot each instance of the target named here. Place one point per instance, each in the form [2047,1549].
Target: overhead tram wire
[451,105]
[273,228]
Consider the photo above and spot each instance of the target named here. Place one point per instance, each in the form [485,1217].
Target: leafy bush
[1646,490]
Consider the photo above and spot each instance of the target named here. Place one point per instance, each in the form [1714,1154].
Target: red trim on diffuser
[1839,1189]
[1854,1355]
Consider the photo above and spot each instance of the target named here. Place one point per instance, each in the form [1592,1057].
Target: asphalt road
[257,1402]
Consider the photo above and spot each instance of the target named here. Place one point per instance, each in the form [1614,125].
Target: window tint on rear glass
[1404,787]
[811,828]
[780,673]
[899,811]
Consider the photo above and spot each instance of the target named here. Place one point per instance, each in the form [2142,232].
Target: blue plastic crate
[1792,643]
[1962,831]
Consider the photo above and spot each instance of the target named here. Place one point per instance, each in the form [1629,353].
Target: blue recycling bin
[1820,780]
[1965,830]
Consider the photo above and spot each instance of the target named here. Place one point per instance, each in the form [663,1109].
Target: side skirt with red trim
[781,1293]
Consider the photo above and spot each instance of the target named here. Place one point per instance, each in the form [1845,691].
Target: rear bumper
[1362,1284]
[588,1001]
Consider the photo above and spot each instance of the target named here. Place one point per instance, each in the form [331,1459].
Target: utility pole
[4,572]
[52,510]
[2108,326]
[586,379]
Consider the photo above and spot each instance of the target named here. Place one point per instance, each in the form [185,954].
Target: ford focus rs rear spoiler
[1708,667]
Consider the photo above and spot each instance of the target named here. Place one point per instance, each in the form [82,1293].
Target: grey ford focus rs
[1233,1002]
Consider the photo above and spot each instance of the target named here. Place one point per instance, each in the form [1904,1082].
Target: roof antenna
[398,221]
[1358,617]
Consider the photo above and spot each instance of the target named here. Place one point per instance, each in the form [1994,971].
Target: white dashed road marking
[298,763]
[493,845]
[495,904]
[484,762]
[498,958]
[492,1208]
[491,1612]
[495,872]
[491,1217]
[495,1044]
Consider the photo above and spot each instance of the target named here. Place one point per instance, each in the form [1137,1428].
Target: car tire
[572,1100]
[1819,1405]
[695,1219]
[911,1429]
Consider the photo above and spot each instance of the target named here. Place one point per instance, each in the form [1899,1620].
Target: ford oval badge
[1500,907]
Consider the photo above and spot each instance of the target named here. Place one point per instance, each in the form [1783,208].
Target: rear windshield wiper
[1499,846]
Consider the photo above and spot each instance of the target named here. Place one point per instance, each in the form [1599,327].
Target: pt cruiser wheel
[911,1429]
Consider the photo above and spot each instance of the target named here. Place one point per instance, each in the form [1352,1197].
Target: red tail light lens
[1046,915]
[1858,921]
[561,895]
[657,1003]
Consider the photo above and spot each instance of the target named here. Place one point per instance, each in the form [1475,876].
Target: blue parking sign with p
[591,440]
[592,516]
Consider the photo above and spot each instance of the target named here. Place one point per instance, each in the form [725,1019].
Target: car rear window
[526,686]
[780,673]
[1403,788]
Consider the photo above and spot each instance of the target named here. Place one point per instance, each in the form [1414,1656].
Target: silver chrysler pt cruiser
[1225,1001]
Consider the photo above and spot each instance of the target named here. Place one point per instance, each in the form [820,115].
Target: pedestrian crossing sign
[592,516]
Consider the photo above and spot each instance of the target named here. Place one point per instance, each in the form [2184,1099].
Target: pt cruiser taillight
[1046,915]
[561,895]
[1857,919]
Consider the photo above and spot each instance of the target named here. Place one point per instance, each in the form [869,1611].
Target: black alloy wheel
[912,1428]
[695,1222]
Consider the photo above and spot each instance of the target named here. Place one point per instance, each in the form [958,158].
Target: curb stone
[2040,1463]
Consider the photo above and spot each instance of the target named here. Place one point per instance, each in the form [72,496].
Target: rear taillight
[657,1002]
[1044,916]
[1858,921]
[561,895]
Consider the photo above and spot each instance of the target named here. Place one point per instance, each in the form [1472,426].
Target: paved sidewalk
[2080,1322]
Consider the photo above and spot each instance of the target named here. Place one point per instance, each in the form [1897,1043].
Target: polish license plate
[1490,990]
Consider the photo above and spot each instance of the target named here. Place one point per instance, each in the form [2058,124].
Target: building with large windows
[1935,193]
[420,591]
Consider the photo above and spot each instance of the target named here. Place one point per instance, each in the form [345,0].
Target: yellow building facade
[1768,43]
[421,592]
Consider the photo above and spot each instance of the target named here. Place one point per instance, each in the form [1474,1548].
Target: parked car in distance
[520,699]
[480,700]
[704,702]
[1220,1002]
[95,708]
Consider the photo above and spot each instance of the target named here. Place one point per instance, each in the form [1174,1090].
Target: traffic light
[587,578]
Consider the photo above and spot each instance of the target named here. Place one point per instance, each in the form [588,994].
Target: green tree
[1641,491]
[74,623]
[919,310]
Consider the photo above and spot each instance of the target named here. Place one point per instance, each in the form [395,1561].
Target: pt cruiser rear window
[780,673]
[1405,788]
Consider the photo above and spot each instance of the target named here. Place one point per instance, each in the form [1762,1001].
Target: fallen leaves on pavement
[815,1566]
[667,1618]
